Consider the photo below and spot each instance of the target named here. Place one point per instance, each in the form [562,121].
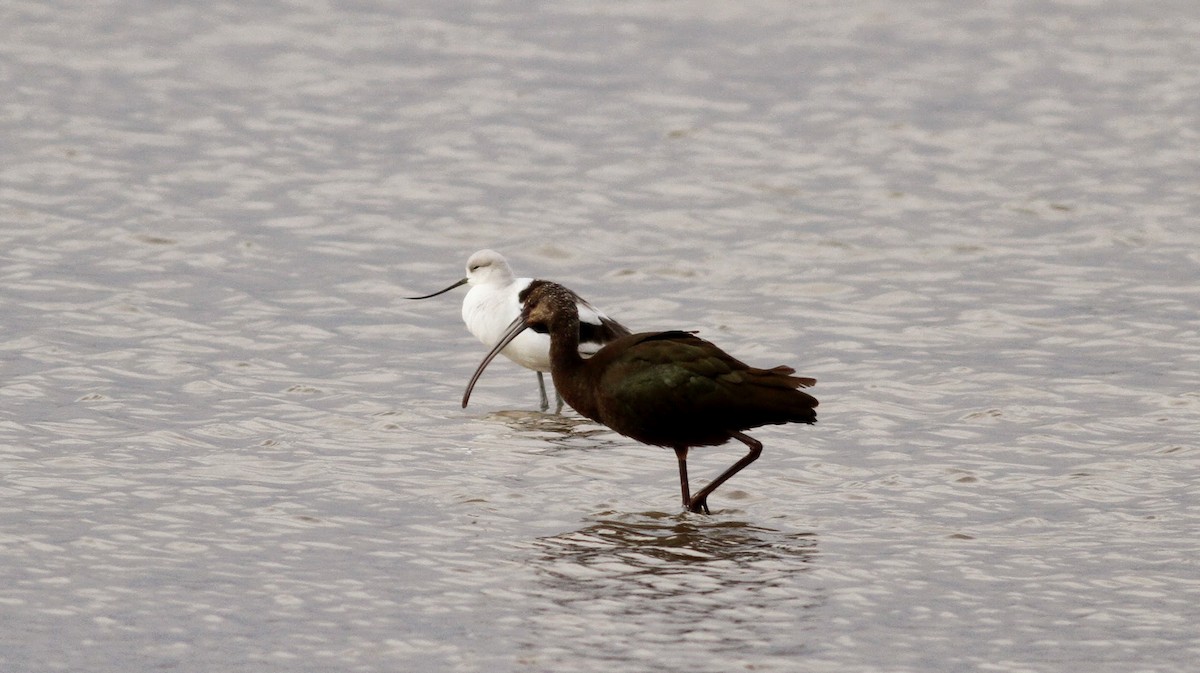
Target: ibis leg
[681,455]
[700,502]
[543,402]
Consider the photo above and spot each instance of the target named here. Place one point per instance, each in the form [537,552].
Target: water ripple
[226,442]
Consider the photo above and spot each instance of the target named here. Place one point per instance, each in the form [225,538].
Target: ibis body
[670,389]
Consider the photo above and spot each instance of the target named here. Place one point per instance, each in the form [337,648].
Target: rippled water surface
[227,442]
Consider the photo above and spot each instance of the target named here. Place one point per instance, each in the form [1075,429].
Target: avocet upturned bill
[495,300]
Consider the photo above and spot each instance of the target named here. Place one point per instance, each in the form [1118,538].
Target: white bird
[495,301]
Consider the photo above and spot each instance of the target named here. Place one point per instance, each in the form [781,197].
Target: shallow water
[227,442]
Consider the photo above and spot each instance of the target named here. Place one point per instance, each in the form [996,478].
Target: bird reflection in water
[654,541]
[628,584]
[558,431]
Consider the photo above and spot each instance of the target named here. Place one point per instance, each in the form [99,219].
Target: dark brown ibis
[669,389]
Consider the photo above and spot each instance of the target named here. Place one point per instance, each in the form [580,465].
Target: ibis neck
[564,345]
[567,368]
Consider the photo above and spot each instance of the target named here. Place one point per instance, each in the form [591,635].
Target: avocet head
[488,267]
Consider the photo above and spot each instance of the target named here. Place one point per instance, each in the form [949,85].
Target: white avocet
[494,302]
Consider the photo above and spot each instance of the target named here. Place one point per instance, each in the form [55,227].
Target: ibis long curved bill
[427,296]
[514,328]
